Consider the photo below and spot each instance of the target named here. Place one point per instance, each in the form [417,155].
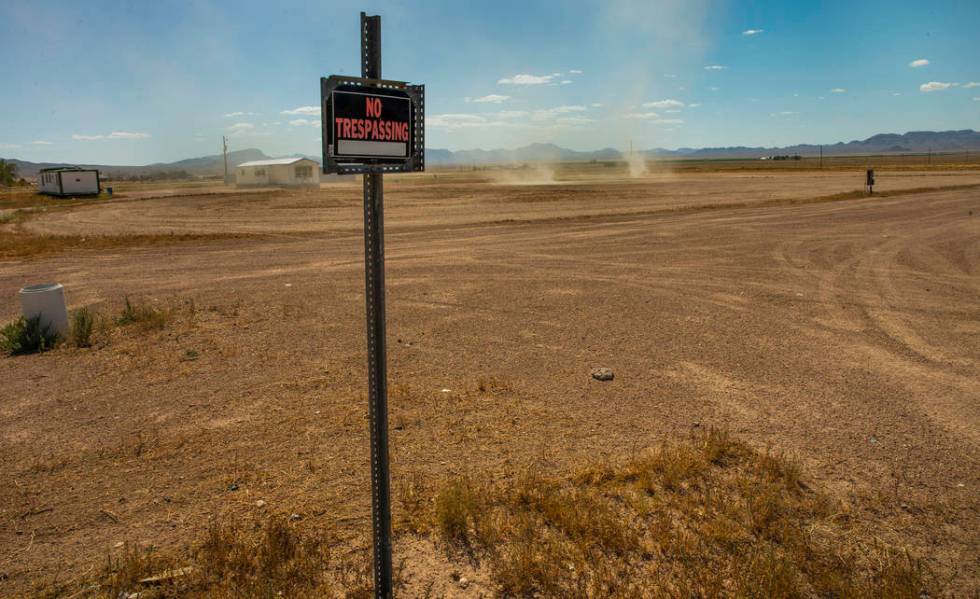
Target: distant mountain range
[885,143]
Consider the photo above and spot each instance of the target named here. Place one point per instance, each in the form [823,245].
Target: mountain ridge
[881,143]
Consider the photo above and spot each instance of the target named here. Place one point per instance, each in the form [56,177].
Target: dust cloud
[637,164]
[528,175]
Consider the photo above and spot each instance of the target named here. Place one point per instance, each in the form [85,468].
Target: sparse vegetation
[268,559]
[143,316]
[708,517]
[705,518]
[27,336]
[82,324]
[12,217]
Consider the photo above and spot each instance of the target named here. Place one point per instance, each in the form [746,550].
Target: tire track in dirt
[869,288]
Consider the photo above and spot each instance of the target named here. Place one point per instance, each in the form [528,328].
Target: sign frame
[349,165]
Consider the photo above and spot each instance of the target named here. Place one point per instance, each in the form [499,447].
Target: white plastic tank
[48,301]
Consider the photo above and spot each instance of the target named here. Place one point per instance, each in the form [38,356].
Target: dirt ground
[846,331]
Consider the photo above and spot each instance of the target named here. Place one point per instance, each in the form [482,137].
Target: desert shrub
[143,316]
[27,336]
[82,323]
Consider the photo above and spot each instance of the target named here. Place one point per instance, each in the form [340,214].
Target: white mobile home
[69,181]
[284,172]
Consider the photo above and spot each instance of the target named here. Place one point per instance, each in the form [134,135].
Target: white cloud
[238,113]
[715,67]
[41,142]
[976,98]
[9,146]
[693,105]
[664,104]
[653,117]
[784,113]
[971,84]
[303,110]
[524,79]
[921,62]
[573,121]
[935,86]
[128,135]
[241,127]
[752,32]
[575,71]
[113,135]
[566,81]
[304,123]
[468,121]
[838,90]
[490,99]
[450,120]
[547,113]
[596,105]
[512,114]
[714,88]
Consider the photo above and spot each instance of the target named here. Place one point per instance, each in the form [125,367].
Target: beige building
[286,172]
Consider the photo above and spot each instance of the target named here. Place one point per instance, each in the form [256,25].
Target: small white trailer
[69,181]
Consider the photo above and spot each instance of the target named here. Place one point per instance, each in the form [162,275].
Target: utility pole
[821,156]
[224,143]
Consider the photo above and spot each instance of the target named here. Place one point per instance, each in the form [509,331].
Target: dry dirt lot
[844,330]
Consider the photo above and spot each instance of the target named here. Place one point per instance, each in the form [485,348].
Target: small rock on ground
[602,374]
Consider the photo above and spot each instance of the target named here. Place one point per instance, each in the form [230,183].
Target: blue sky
[138,82]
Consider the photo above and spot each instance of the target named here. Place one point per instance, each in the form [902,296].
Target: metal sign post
[372,126]
[374,279]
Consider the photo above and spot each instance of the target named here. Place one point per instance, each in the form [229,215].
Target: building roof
[275,161]
[52,169]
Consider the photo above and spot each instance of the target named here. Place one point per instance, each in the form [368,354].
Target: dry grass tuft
[143,316]
[82,325]
[457,511]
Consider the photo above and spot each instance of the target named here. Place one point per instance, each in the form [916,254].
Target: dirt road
[847,332]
